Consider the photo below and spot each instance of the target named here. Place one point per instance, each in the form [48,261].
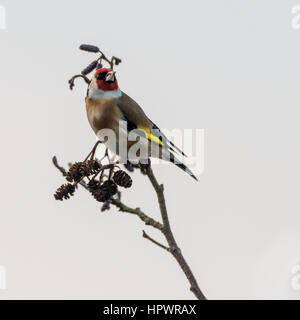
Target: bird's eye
[101,76]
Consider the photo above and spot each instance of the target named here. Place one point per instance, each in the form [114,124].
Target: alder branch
[162,227]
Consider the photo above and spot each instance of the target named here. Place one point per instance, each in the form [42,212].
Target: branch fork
[163,227]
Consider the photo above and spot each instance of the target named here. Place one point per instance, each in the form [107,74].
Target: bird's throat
[95,93]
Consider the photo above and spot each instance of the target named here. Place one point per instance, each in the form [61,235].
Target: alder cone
[89,68]
[122,179]
[65,191]
[77,171]
[105,191]
[89,48]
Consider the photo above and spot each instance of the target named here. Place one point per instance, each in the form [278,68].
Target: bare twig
[72,80]
[145,235]
[60,168]
[92,152]
[112,61]
[137,211]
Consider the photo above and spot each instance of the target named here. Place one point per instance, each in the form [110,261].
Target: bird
[114,117]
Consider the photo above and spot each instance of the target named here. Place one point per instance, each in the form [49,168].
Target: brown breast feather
[110,110]
[103,114]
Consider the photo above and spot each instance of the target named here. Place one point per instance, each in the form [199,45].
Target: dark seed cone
[121,178]
[65,191]
[106,191]
[89,68]
[100,196]
[93,185]
[77,171]
[93,166]
[110,187]
[89,48]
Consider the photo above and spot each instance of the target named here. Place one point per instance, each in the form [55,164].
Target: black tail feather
[182,166]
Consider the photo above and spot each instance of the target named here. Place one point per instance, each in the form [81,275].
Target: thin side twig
[60,168]
[137,211]
[72,80]
[146,236]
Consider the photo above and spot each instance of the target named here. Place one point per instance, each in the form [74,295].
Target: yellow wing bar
[150,136]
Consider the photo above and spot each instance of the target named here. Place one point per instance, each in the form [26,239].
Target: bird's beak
[110,76]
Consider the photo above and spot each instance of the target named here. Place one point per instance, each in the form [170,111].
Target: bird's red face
[106,79]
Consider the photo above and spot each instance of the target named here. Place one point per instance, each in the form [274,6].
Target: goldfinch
[111,110]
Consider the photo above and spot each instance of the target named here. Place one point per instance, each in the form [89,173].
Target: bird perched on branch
[122,124]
